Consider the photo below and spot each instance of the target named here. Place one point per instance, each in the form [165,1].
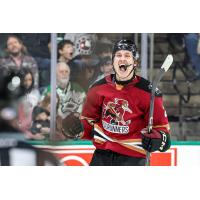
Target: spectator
[14,150]
[37,46]
[17,57]
[29,100]
[191,43]
[103,50]
[41,119]
[41,123]
[65,54]
[65,51]
[36,43]
[71,95]
[106,67]
[89,71]
[82,71]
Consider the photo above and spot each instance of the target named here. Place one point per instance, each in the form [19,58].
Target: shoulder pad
[147,86]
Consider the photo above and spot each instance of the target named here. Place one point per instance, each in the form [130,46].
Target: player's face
[123,64]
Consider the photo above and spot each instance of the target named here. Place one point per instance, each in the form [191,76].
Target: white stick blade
[167,63]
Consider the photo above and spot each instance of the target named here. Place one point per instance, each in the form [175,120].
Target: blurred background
[71,62]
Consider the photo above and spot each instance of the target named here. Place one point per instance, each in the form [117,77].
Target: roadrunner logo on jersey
[113,116]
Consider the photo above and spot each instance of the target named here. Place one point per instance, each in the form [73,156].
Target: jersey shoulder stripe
[146,85]
[99,82]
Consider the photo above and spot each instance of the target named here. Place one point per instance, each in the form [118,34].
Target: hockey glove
[71,126]
[155,140]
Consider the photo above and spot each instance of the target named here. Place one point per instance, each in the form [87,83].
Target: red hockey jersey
[113,115]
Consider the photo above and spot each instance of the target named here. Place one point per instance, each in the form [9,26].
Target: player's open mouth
[123,67]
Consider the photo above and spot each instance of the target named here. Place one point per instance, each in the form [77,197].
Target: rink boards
[79,153]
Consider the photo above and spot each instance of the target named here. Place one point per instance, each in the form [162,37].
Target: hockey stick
[165,66]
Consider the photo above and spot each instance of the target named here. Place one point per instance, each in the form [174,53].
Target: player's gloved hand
[155,140]
[71,126]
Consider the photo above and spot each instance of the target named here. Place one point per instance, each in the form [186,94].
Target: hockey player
[13,148]
[116,110]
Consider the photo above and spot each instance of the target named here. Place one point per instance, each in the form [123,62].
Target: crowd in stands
[190,44]
[82,59]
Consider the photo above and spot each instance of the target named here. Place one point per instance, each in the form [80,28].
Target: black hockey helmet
[128,45]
